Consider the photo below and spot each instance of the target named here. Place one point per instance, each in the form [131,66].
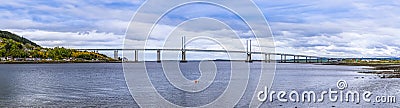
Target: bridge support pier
[136,56]
[306,59]
[294,59]
[298,59]
[281,58]
[116,54]
[284,58]
[248,59]
[183,56]
[267,57]
[158,56]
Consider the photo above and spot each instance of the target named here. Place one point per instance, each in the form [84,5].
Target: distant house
[18,59]
[334,60]
[67,59]
[370,60]
[31,59]
[9,58]
[3,59]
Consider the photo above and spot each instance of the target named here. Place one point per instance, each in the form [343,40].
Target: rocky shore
[383,70]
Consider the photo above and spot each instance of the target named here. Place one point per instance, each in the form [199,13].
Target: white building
[371,60]
[30,59]
[3,59]
[37,59]
[9,58]
[18,59]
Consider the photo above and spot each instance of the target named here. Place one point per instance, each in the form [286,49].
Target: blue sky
[340,28]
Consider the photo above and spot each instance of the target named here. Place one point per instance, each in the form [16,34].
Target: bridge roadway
[296,57]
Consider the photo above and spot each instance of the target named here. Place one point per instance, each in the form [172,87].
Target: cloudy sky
[340,28]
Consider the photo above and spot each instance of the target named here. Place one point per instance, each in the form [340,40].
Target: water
[63,85]
[308,77]
[103,84]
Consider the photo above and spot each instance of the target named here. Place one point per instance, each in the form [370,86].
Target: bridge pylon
[183,50]
[248,47]
[116,54]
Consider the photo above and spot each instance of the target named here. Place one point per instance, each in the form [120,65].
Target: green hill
[9,35]
[14,46]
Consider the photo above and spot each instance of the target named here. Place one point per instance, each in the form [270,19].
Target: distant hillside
[9,35]
[14,46]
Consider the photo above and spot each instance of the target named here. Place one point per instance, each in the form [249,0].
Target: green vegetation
[14,46]
[371,61]
[9,35]
[9,47]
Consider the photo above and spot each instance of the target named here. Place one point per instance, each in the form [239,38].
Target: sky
[340,28]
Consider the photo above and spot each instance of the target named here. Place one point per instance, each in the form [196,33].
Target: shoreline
[383,70]
[54,62]
[362,64]
[119,61]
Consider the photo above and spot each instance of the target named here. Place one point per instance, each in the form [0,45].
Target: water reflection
[103,85]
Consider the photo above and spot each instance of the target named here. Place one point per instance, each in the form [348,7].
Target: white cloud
[89,39]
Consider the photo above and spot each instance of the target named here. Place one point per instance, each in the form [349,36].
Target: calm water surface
[103,84]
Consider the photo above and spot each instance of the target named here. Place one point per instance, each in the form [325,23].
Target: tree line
[10,47]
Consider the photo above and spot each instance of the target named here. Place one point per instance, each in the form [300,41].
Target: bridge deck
[201,50]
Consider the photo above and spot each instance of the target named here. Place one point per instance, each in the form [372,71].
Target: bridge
[296,58]
[248,52]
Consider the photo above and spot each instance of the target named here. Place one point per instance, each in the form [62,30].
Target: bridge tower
[248,50]
[158,56]
[116,54]
[136,56]
[183,50]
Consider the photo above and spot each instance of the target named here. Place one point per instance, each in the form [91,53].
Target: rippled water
[103,84]
[63,85]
